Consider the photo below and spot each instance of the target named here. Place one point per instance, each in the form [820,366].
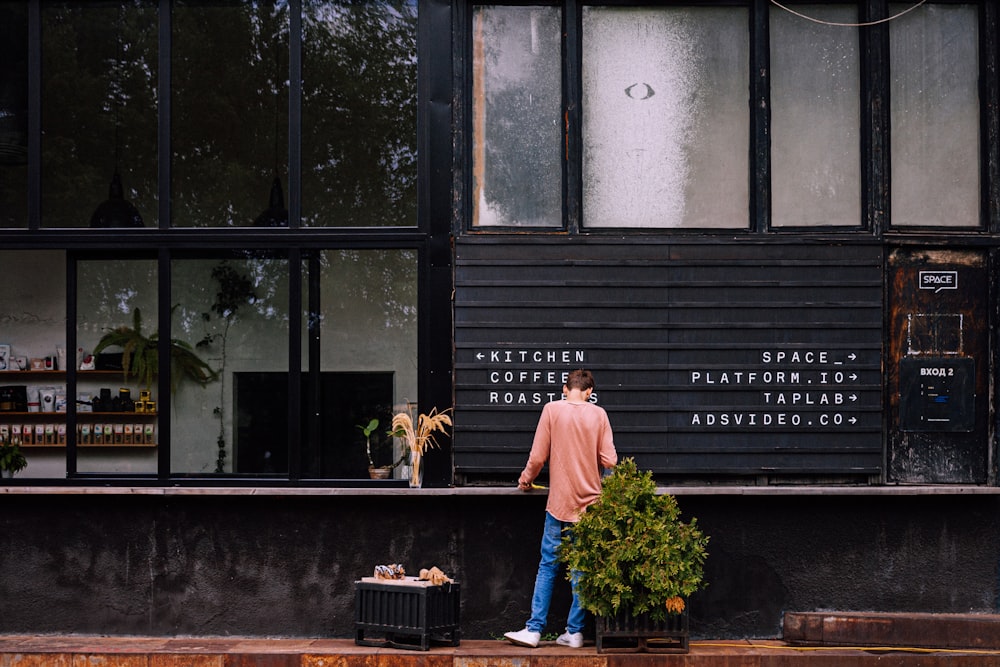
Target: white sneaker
[571,639]
[524,637]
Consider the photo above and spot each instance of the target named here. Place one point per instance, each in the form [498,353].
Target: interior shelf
[6,375]
[129,416]
[91,446]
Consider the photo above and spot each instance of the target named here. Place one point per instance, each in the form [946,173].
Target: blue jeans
[548,571]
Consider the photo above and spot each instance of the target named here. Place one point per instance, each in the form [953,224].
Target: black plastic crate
[408,613]
[626,633]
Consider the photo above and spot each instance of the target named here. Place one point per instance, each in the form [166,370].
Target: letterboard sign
[710,360]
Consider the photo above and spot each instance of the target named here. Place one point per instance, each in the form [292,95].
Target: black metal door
[937,367]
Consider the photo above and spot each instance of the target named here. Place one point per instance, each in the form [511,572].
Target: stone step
[873,629]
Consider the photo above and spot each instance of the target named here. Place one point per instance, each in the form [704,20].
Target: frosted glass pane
[516,110]
[665,124]
[815,118]
[934,105]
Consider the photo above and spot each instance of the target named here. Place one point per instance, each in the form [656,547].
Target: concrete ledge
[948,631]
[805,490]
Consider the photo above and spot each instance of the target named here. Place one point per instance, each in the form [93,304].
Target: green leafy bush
[11,456]
[632,551]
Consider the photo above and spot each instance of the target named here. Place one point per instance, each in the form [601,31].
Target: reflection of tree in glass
[359,113]
[235,290]
[229,113]
[109,292]
[230,109]
[13,113]
[99,64]
[377,289]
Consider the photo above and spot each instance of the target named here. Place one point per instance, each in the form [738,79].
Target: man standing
[574,437]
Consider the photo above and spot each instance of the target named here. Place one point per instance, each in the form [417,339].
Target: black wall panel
[712,360]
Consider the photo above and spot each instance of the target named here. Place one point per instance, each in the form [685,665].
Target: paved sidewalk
[92,651]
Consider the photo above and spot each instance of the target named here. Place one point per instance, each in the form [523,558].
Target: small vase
[416,469]
[7,474]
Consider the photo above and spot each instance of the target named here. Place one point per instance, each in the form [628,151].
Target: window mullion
[874,117]
[295,398]
[990,90]
[71,366]
[572,100]
[295,114]
[760,118]
[164,325]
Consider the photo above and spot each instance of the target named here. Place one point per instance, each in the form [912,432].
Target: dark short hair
[581,379]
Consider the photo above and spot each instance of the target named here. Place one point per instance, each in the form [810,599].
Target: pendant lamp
[275,215]
[116,211]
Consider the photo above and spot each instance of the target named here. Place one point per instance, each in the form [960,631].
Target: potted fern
[141,359]
[637,562]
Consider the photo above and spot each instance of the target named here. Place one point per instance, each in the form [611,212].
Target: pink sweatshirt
[576,441]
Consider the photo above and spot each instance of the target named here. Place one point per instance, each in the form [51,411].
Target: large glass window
[359,113]
[815,117]
[234,313]
[365,366]
[516,103]
[665,131]
[242,144]
[234,121]
[230,113]
[13,114]
[33,356]
[99,114]
[227,402]
[117,361]
[934,103]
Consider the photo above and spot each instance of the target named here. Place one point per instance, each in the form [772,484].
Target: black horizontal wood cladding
[711,359]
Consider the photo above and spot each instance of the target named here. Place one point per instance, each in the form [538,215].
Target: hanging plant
[141,358]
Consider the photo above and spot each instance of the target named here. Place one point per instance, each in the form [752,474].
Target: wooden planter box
[407,613]
[626,633]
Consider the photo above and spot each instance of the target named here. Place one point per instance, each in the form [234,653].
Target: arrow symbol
[852,356]
[853,397]
[853,376]
[479,356]
[853,420]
